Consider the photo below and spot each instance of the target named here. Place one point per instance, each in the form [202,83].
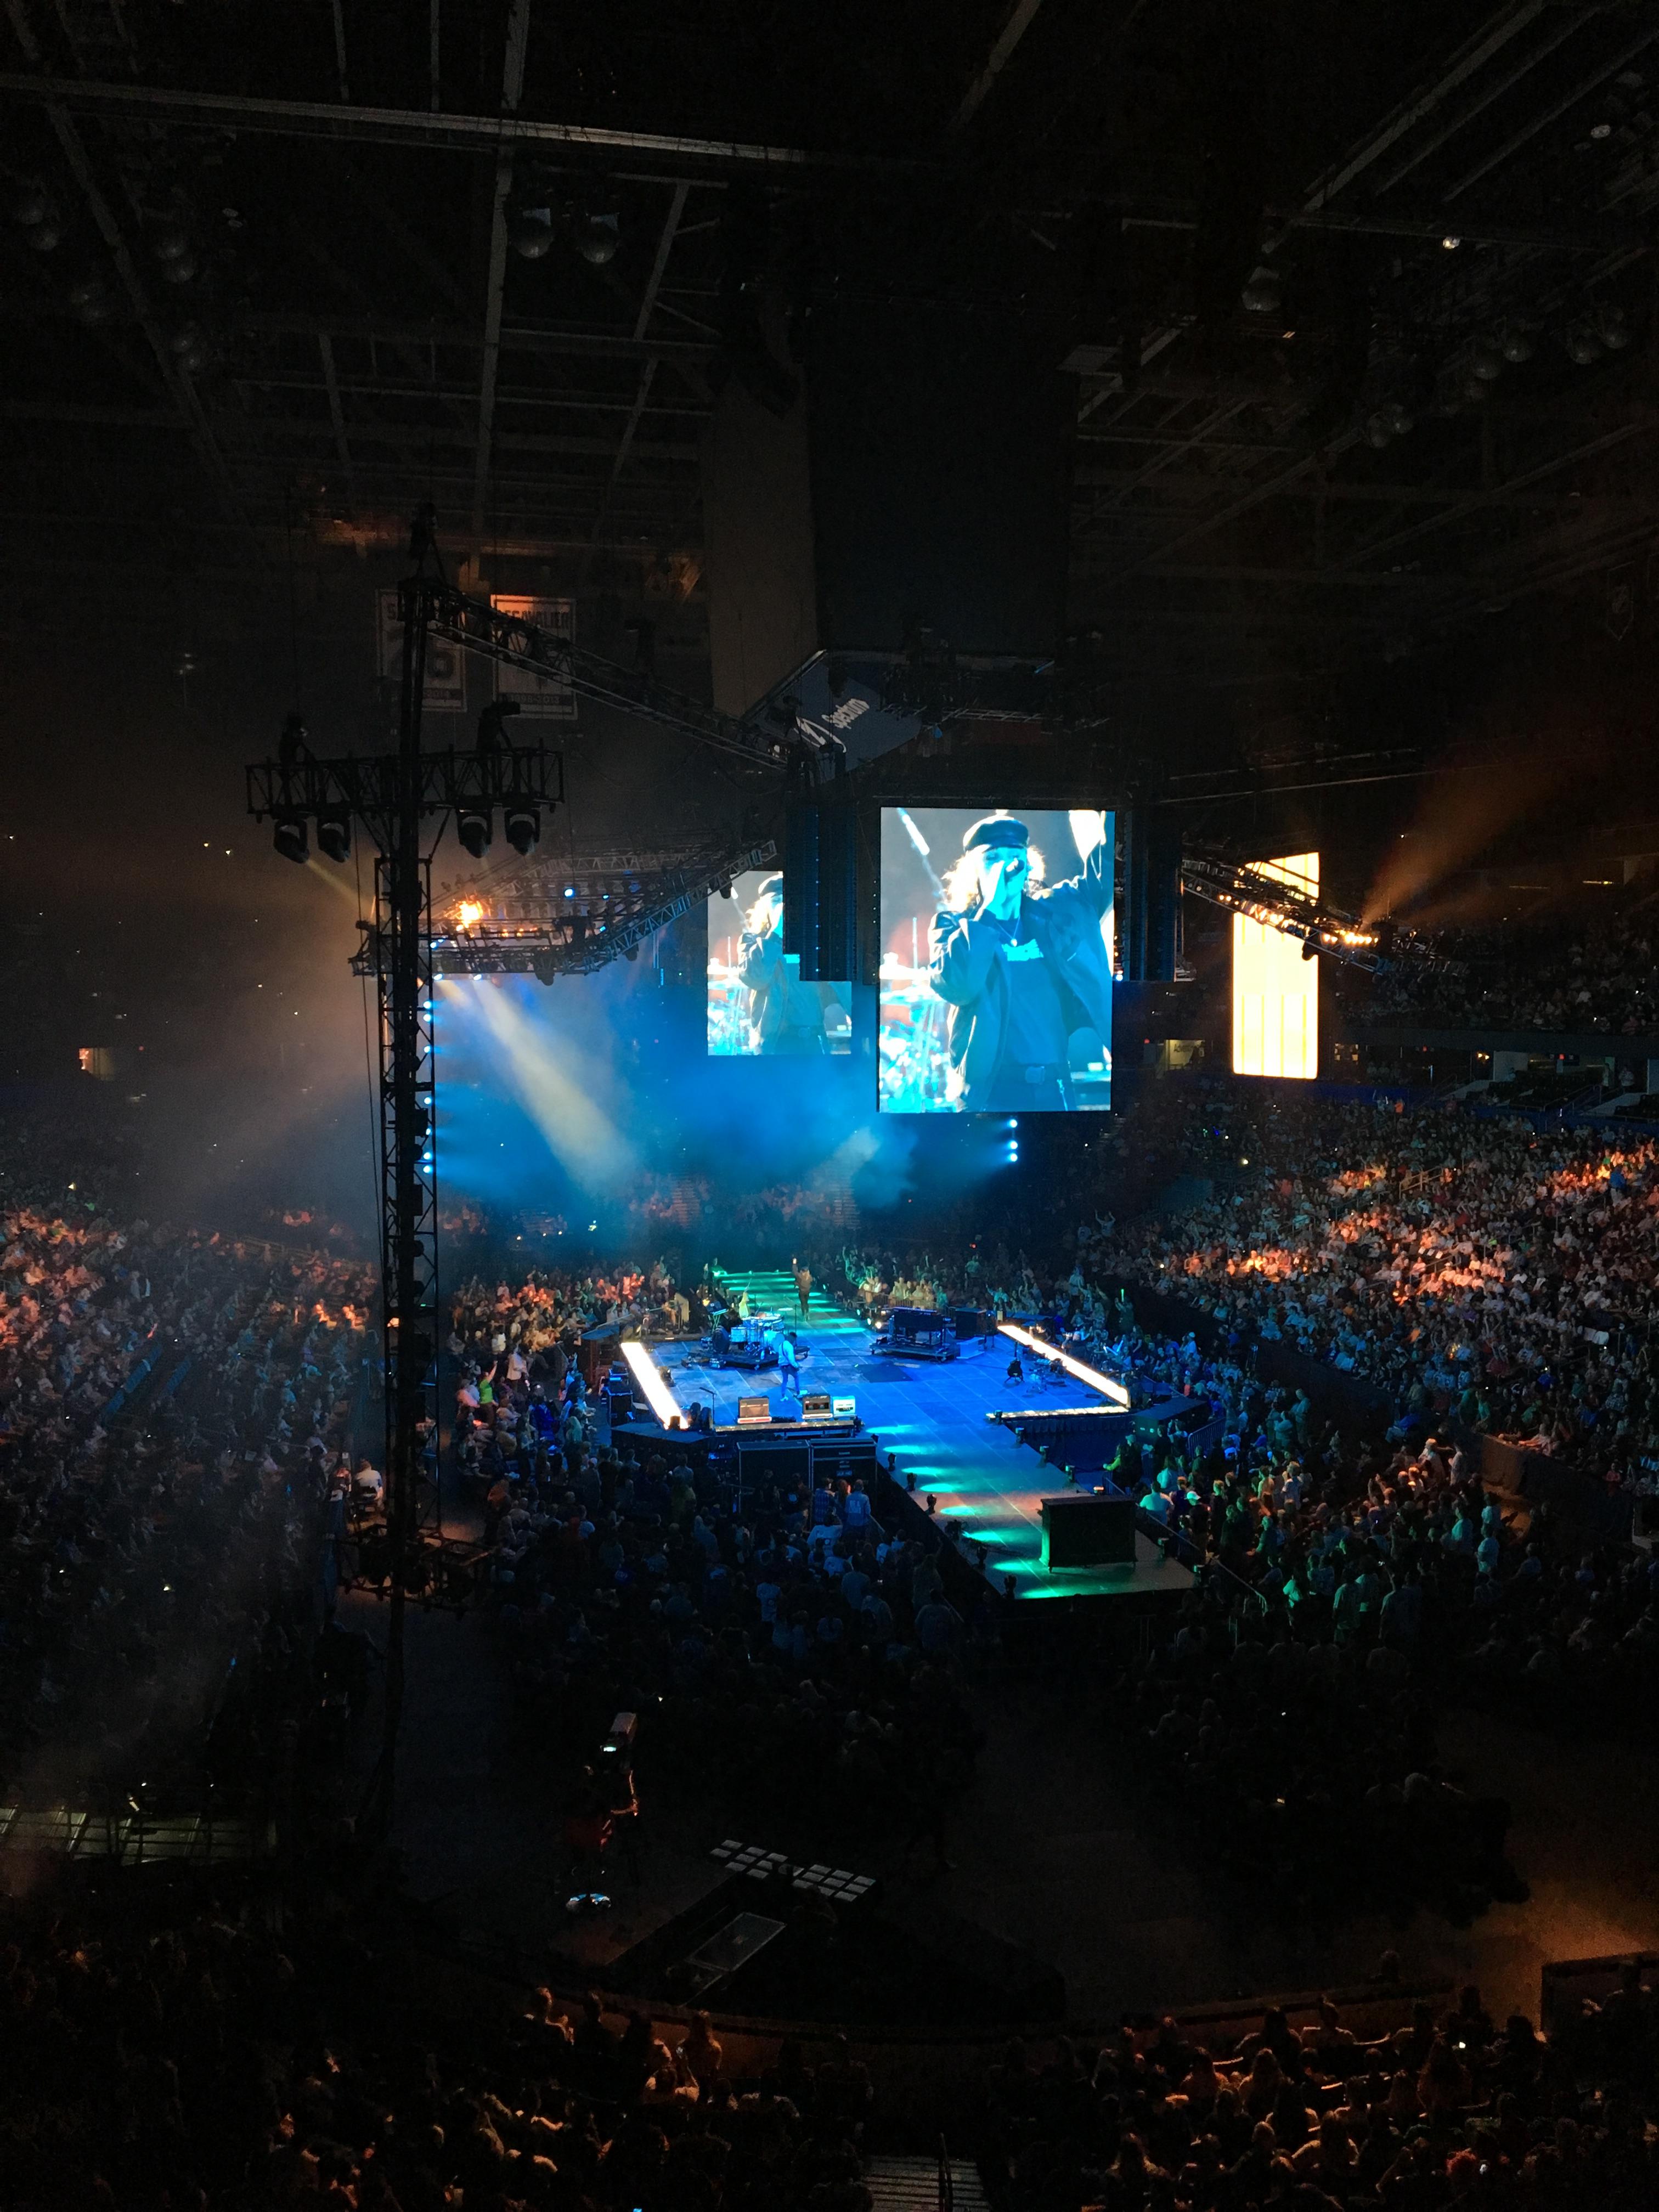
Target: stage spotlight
[596,234]
[289,837]
[544,966]
[36,213]
[523,827]
[531,233]
[475,826]
[1311,948]
[334,835]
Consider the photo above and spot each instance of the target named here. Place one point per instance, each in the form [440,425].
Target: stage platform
[934,1417]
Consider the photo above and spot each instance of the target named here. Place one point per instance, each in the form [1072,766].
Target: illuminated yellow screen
[1275,990]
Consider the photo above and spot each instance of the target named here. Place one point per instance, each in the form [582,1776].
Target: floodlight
[289,837]
[523,826]
[475,826]
[334,835]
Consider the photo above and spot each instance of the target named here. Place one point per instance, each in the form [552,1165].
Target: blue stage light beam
[555,1086]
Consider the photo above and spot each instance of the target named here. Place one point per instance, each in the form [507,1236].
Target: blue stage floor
[932,1416]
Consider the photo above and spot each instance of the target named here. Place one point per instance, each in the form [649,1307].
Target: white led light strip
[1091,1375]
[658,1396]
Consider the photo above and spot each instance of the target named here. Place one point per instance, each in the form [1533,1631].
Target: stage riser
[1087,1442]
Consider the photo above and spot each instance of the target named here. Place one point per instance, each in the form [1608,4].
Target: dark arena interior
[829,1106]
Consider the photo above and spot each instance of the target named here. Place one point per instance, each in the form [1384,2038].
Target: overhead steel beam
[1476,502]
[1507,24]
[1379,222]
[518,33]
[1255,496]
[1513,144]
[647,374]
[1339,493]
[1216,421]
[539,399]
[629,154]
[1573,21]
[113,418]
[977,92]
[336,414]
[515,338]
[418,437]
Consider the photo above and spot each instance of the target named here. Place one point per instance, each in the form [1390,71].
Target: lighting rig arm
[545,947]
[511,640]
[1318,927]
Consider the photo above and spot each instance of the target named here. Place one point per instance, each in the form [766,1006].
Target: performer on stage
[1021,965]
[789,1357]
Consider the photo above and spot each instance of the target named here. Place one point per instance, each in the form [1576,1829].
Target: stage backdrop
[757,1004]
[995,992]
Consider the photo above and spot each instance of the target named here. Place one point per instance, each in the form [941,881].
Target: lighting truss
[1243,889]
[368,788]
[538,931]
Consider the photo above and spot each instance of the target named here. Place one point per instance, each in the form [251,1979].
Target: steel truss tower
[402,800]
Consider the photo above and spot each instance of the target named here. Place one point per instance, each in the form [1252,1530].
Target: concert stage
[939,1422]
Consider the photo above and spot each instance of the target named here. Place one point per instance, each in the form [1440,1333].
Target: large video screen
[1275,990]
[995,990]
[758,1003]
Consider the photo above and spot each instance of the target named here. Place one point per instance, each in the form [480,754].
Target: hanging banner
[537,694]
[445,689]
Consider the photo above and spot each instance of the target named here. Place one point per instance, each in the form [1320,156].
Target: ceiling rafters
[647,374]
[175,377]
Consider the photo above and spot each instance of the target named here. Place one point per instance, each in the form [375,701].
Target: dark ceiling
[1354,306]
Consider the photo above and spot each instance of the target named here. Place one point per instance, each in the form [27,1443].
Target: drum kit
[729,1032]
[754,1343]
[915,1059]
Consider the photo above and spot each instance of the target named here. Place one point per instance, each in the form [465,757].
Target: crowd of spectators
[1587,972]
[233,2048]
[1448,2108]
[1474,1270]
[247,2050]
[543,1305]
[168,1401]
[797,1656]
[1468,1269]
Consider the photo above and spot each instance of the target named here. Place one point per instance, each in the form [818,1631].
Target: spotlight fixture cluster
[537,219]
[298,792]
